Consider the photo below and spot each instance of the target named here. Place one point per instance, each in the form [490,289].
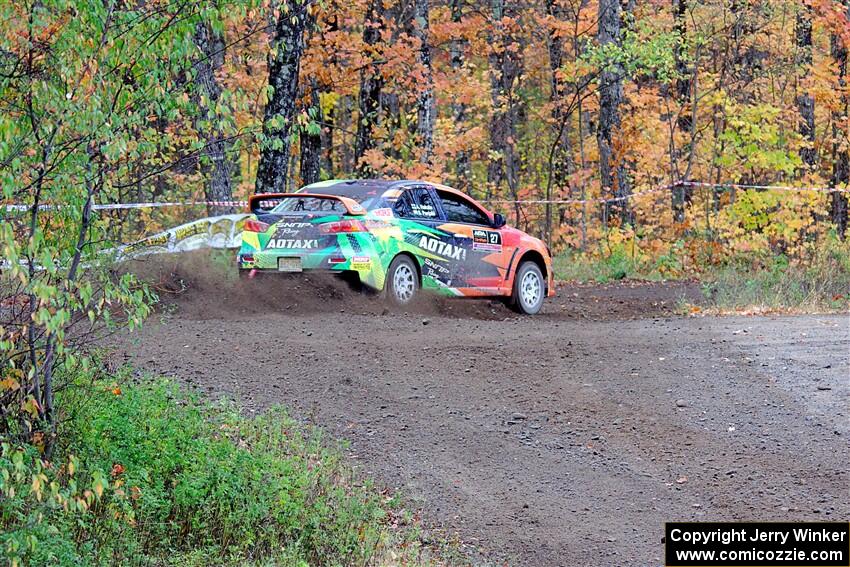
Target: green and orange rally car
[397,237]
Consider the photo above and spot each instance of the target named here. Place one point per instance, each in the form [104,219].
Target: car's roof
[360,189]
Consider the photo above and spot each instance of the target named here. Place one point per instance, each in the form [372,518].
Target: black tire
[402,281]
[528,300]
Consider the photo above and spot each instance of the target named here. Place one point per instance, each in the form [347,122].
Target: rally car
[397,237]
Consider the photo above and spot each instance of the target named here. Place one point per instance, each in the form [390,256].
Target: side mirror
[498,220]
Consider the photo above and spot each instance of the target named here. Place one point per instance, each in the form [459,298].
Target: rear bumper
[368,267]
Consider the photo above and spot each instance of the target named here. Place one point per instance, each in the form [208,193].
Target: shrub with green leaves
[85,89]
[152,476]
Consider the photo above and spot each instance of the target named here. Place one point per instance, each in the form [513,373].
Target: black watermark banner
[757,544]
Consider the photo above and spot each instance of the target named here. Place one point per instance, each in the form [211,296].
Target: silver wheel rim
[404,283]
[530,288]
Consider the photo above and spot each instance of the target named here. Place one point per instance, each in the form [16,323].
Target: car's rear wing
[263,203]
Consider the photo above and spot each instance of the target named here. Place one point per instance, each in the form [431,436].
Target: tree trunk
[215,164]
[371,83]
[463,167]
[329,114]
[505,70]
[681,194]
[612,170]
[344,118]
[426,108]
[394,114]
[841,158]
[805,101]
[284,67]
[311,142]
[327,142]
[496,165]
[563,164]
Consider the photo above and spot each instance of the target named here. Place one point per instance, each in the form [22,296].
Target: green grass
[822,287]
[615,266]
[820,282]
[148,475]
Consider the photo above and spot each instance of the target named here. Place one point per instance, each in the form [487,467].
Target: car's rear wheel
[529,289]
[402,281]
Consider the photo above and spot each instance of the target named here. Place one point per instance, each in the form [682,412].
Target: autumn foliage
[743,92]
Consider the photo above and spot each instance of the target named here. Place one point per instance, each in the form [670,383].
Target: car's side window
[403,205]
[416,203]
[458,209]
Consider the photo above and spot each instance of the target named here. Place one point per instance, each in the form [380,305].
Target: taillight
[252,225]
[342,226]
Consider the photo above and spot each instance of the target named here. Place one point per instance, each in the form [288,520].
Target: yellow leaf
[36,487]
[31,406]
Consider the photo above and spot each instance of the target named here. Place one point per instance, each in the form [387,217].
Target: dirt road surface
[563,439]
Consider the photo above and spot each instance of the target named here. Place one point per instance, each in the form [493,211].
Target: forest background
[655,139]
[629,120]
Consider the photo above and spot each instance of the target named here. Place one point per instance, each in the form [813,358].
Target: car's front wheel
[402,281]
[529,289]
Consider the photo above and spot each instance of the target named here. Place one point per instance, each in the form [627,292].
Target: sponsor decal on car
[425,211]
[361,262]
[385,212]
[287,243]
[486,240]
[377,224]
[292,224]
[435,267]
[442,248]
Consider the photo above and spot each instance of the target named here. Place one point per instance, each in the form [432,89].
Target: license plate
[289,264]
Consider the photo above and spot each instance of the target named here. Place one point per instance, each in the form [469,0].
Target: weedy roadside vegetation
[732,280]
[146,474]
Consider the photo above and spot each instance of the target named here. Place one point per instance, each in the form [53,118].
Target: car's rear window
[368,195]
[309,205]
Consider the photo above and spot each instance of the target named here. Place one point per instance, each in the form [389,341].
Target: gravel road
[563,439]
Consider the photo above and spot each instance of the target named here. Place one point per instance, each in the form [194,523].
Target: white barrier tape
[118,206]
[663,189]
[578,201]
[667,188]
[764,187]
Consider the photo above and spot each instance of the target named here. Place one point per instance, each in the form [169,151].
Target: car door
[486,253]
[421,218]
